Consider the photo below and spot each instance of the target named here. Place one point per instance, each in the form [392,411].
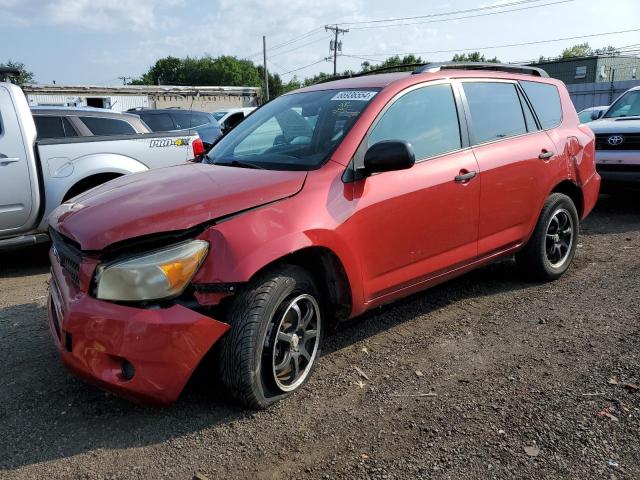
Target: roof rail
[500,67]
[7,72]
[405,66]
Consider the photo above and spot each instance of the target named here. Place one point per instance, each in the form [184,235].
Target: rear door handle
[465,177]
[546,155]
[4,161]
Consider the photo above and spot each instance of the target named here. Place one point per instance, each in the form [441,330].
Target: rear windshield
[293,132]
[545,99]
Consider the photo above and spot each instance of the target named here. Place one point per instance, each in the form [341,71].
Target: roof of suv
[80,111]
[437,72]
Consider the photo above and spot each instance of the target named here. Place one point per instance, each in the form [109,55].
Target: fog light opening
[128,371]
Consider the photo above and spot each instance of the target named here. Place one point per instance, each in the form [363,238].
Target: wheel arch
[89,182]
[328,272]
[571,190]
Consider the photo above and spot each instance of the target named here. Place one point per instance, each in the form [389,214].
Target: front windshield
[293,132]
[219,115]
[628,105]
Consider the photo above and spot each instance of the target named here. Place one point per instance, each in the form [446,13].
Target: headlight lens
[160,274]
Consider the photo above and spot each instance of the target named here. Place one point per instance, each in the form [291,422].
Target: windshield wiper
[239,163]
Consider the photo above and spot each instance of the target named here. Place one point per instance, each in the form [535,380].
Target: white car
[592,113]
[230,117]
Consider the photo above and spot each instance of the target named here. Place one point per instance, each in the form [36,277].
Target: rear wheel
[551,248]
[274,341]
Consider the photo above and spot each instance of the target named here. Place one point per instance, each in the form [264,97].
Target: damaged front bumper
[147,355]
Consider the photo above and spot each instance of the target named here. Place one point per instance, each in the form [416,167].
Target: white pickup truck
[37,176]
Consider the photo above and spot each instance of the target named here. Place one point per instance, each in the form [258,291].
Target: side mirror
[387,156]
[596,114]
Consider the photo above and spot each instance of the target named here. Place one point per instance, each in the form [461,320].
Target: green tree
[577,50]
[25,76]
[473,57]
[394,61]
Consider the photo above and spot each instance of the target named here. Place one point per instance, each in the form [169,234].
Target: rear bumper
[96,339]
[590,191]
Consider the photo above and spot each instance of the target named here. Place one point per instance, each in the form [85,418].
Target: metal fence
[585,95]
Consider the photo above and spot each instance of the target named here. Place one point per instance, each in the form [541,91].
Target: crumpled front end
[145,354]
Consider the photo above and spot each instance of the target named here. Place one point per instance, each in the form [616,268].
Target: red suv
[322,204]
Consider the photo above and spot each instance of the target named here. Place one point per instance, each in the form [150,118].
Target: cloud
[96,15]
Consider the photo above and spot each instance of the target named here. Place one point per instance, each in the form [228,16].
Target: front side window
[426,118]
[297,131]
[107,126]
[545,99]
[495,110]
[628,105]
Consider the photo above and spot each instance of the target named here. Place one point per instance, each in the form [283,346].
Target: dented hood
[168,199]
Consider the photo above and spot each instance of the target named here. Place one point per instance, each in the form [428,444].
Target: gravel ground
[527,381]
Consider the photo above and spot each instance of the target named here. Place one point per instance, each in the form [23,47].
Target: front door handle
[546,155]
[4,161]
[465,177]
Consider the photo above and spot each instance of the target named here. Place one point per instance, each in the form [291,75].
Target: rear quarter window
[545,100]
[107,126]
[158,122]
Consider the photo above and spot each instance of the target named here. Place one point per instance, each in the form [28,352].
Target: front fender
[236,256]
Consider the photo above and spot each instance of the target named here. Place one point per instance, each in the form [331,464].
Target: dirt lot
[530,381]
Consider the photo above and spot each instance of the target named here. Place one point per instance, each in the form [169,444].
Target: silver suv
[64,122]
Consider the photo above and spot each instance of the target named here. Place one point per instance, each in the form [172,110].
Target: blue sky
[96,41]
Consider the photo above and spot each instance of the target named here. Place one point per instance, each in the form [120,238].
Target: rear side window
[107,126]
[495,111]
[189,119]
[426,118]
[198,119]
[53,127]
[545,99]
[158,122]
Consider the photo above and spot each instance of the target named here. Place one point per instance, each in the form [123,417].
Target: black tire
[534,259]
[248,351]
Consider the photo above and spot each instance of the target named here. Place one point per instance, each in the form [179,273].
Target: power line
[441,14]
[455,50]
[306,66]
[290,41]
[298,47]
[463,17]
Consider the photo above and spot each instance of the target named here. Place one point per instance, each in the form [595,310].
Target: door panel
[15,185]
[513,179]
[414,223]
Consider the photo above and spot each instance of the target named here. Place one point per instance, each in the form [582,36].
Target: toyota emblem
[615,140]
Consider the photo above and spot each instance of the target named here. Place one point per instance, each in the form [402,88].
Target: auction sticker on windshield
[362,95]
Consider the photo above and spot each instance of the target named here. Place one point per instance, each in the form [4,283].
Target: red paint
[394,233]
[163,345]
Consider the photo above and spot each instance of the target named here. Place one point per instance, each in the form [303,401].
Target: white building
[126,97]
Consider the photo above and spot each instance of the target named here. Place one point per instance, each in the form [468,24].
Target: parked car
[370,189]
[65,122]
[173,119]
[618,141]
[38,175]
[230,117]
[592,113]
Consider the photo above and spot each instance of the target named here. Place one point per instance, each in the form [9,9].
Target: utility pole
[124,79]
[335,46]
[266,74]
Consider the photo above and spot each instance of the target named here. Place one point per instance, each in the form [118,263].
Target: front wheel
[274,341]
[551,248]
